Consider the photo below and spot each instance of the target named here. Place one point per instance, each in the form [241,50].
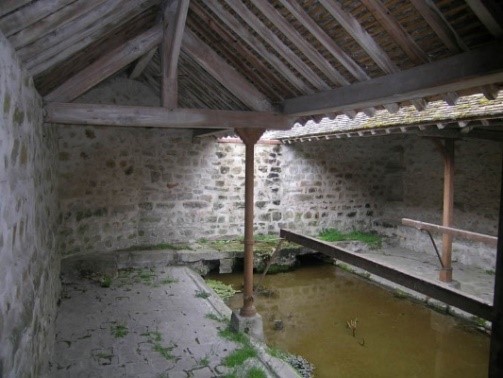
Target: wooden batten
[144,116]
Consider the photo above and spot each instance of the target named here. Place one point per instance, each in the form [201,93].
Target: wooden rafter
[300,42]
[22,17]
[142,63]
[365,40]
[267,34]
[7,6]
[402,38]
[487,15]
[65,41]
[256,45]
[257,70]
[463,71]
[53,21]
[174,18]
[225,74]
[146,116]
[440,25]
[106,66]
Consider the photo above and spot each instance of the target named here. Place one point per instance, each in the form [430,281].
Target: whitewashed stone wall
[127,187]
[418,186]
[29,264]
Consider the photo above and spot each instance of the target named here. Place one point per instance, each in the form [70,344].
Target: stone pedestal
[251,325]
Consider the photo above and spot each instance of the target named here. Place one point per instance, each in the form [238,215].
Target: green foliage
[153,336]
[119,330]
[373,240]
[168,280]
[202,294]
[237,357]
[164,351]
[256,372]
[223,290]
[105,281]
[231,335]
[215,317]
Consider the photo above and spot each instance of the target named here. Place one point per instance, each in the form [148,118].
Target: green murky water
[394,337]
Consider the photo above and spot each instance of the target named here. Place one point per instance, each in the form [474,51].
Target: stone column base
[251,325]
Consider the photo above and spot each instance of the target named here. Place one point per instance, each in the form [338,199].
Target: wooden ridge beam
[224,73]
[145,116]
[432,289]
[106,66]
[468,70]
[175,15]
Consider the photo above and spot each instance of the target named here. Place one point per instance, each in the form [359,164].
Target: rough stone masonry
[29,263]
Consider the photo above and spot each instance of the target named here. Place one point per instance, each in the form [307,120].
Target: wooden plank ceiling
[304,58]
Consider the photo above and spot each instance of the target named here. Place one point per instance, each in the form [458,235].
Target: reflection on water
[394,337]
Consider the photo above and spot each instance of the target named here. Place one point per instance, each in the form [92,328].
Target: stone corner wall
[29,264]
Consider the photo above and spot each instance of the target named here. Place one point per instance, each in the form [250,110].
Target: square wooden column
[448,154]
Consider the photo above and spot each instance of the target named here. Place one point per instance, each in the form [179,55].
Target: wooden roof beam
[224,73]
[175,15]
[53,21]
[434,17]
[258,26]
[106,66]
[254,43]
[147,116]
[70,38]
[402,38]
[23,16]
[489,14]
[468,70]
[300,42]
[142,63]
[7,6]
[365,40]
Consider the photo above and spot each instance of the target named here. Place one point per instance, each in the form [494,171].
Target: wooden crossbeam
[175,15]
[142,63]
[144,116]
[432,289]
[469,235]
[471,69]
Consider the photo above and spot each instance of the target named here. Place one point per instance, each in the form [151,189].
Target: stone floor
[161,322]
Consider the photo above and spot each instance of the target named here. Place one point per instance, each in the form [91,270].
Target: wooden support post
[448,153]
[496,351]
[249,138]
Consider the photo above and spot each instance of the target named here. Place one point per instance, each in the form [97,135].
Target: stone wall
[29,264]
[418,185]
[124,187]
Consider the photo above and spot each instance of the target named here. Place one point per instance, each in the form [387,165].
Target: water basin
[307,312]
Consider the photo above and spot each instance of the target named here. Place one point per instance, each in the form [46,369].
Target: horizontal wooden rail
[432,289]
[474,236]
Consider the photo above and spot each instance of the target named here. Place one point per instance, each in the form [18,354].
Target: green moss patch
[373,240]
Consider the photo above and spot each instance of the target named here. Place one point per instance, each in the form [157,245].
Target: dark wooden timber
[469,235]
[432,289]
[496,351]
